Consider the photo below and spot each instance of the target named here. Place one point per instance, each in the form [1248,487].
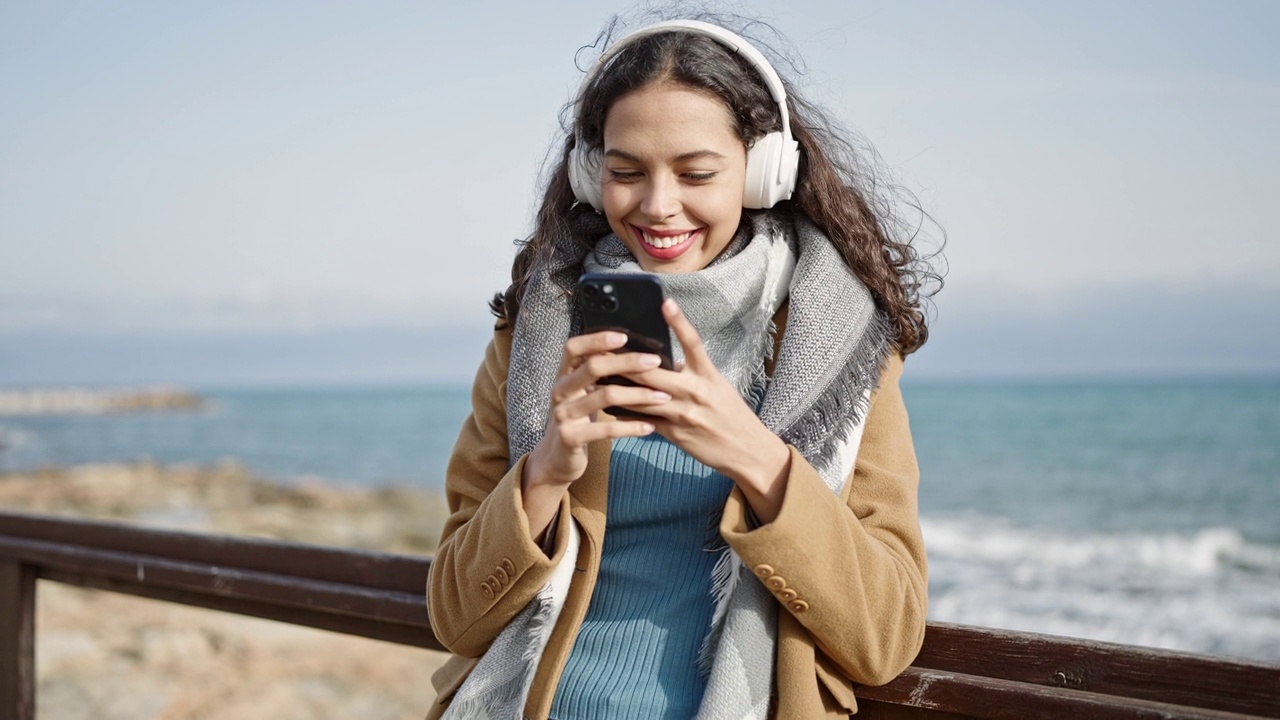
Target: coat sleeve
[852,572]
[486,567]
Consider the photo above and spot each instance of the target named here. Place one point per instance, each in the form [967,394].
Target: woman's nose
[661,198]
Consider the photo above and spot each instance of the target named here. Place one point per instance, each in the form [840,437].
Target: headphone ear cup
[584,178]
[772,164]
[760,168]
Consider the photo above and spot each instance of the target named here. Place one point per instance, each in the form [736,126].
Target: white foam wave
[1208,591]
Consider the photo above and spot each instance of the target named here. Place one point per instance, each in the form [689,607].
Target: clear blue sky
[309,167]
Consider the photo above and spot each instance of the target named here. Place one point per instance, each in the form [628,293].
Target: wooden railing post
[17,641]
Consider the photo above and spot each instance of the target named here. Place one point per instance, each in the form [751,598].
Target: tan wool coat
[848,572]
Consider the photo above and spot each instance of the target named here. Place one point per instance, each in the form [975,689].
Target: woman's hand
[707,418]
[561,456]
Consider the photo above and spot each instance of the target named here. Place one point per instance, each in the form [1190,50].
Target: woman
[750,546]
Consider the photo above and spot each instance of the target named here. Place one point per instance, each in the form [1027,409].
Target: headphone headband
[772,163]
[729,39]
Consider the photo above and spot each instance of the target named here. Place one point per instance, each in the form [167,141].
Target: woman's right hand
[576,398]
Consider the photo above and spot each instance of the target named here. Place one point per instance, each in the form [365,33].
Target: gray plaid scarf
[832,351]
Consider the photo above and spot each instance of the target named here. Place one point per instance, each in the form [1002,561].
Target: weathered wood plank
[221,580]
[389,571]
[869,709]
[355,609]
[1227,684]
[17,641]
[997,699]
[413,634]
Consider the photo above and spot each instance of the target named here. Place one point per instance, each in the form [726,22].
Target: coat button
[763,571]
[787,595]
[486,590]
[509,566]
[798,606]
[502,575]
[776,583]
[493,581]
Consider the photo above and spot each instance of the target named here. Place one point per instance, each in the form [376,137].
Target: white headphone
[773,162]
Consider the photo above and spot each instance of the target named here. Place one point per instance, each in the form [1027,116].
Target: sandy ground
[106,656]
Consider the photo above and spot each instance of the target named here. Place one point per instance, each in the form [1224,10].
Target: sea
[1143,512]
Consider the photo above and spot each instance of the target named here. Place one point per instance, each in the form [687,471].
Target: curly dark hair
[840,184]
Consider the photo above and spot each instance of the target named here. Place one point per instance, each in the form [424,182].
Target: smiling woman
[762,551]
[674,172]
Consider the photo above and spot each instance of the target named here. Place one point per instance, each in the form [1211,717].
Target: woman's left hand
[709,420]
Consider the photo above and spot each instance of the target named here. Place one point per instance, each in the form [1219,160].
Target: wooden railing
[962,672]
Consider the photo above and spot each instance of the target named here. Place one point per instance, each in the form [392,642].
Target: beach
[105,656]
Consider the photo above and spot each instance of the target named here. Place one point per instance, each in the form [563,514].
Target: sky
[280,192]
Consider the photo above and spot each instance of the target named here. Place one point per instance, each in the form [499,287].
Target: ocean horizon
[1134,510]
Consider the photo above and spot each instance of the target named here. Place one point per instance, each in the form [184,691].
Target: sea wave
[1210,591]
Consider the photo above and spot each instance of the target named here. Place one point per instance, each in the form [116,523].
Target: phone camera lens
[591,289]
[609,304]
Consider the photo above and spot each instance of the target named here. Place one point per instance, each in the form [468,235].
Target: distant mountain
[321,358]
[1138,331]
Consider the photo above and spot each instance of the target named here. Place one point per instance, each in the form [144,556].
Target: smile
[665,245]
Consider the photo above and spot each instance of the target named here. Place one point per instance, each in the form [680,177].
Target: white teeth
[664,242]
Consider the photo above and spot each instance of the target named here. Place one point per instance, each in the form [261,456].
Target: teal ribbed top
[635,657]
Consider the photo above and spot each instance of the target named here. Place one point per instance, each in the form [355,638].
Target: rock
[229,498]
[92,401]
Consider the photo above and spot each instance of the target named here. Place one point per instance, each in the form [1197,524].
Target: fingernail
[650,361]
[648,428]
[660,396]
[616,338]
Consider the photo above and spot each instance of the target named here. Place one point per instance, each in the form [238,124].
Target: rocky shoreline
[90,401]
[104,656]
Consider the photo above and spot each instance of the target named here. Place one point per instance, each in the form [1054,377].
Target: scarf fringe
[500,701]
[496,690]
[842,405]
[725,577]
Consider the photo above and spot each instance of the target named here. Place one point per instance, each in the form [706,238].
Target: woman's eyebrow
[684,157]
[699,155]
[614,152]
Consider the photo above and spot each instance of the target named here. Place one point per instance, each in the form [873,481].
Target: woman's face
[673,176]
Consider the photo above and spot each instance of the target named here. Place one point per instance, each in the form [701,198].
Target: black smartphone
[629,303]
